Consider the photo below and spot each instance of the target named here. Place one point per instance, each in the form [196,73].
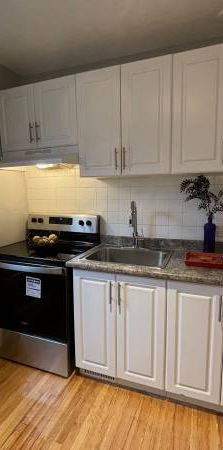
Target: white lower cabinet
[194,341]
[147,332]
[94,321]
[141,322]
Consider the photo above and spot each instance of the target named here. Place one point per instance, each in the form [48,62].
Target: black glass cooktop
[21,253]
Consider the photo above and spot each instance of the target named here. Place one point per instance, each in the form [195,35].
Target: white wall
[13,206]
[162,211]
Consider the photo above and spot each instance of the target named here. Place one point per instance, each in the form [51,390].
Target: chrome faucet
[133,223]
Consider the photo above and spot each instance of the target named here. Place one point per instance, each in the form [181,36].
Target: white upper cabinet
[55,112]
[146,116]
[194,341]
[141,324]
[98,108]
[123,116]
[198,110]
[124,125]
[41,115]
[17,119]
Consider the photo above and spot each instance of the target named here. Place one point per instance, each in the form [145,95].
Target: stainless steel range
[36,315]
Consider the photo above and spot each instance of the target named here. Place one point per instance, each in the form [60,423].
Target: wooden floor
[43,411]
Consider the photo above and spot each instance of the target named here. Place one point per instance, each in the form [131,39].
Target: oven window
[33,303]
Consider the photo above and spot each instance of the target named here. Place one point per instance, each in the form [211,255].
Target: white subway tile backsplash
[101,204]
[190,220]
[219,219]
[113,205]
[161,206]
[175,205]
[149,205]
[191,233]
[162,211]
[175,232]
[161,232]
[113,229]
[162,219]
[42,206]
[175,219]
[101,193]
[149,218]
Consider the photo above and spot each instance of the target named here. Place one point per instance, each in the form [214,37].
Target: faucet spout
[133,222]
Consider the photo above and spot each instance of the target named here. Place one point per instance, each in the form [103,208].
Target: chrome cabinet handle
[119,298]
[110,295]
[31,137]
[1,152]
[220,310]
[37,128]
[123,158]
[116,159]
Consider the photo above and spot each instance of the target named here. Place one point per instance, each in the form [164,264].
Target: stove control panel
[60,220]
[74,223]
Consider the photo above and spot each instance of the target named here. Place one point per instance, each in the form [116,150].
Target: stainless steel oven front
[35,316]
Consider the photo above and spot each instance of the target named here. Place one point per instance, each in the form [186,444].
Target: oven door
[34,300]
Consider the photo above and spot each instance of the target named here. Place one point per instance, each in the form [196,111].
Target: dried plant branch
[199,189]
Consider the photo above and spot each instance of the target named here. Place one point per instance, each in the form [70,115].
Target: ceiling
[53,35]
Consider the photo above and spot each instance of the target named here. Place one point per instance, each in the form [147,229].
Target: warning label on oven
[33,287]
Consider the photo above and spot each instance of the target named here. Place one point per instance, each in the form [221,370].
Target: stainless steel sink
[131,255]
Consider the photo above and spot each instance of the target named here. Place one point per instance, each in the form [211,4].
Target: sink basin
[130,255]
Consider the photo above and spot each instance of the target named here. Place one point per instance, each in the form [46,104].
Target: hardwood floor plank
[38,417]
[42,411]
[97,421]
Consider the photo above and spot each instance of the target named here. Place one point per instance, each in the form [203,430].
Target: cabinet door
[141,322]
[98,109]
[194,341]
[55,110]
[146,115]
[198,110]
[94,319]
[222,390]
[17,119]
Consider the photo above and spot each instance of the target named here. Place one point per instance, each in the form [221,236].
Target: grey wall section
[26,79]
[8,78]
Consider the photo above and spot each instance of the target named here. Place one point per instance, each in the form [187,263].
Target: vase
[209,235]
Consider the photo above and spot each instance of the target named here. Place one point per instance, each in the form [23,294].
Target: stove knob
[89,223]
[81,223]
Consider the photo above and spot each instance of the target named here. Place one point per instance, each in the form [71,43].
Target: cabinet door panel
[140,333]
[98,107]
[94,318]
[194,342]
[198,110]
[16,116]
[55,107]
[146,115]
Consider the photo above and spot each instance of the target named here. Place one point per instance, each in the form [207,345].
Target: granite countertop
[175,270]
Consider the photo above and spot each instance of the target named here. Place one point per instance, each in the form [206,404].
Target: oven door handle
[33,269]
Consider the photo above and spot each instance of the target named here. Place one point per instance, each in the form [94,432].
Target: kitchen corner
[111,225]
